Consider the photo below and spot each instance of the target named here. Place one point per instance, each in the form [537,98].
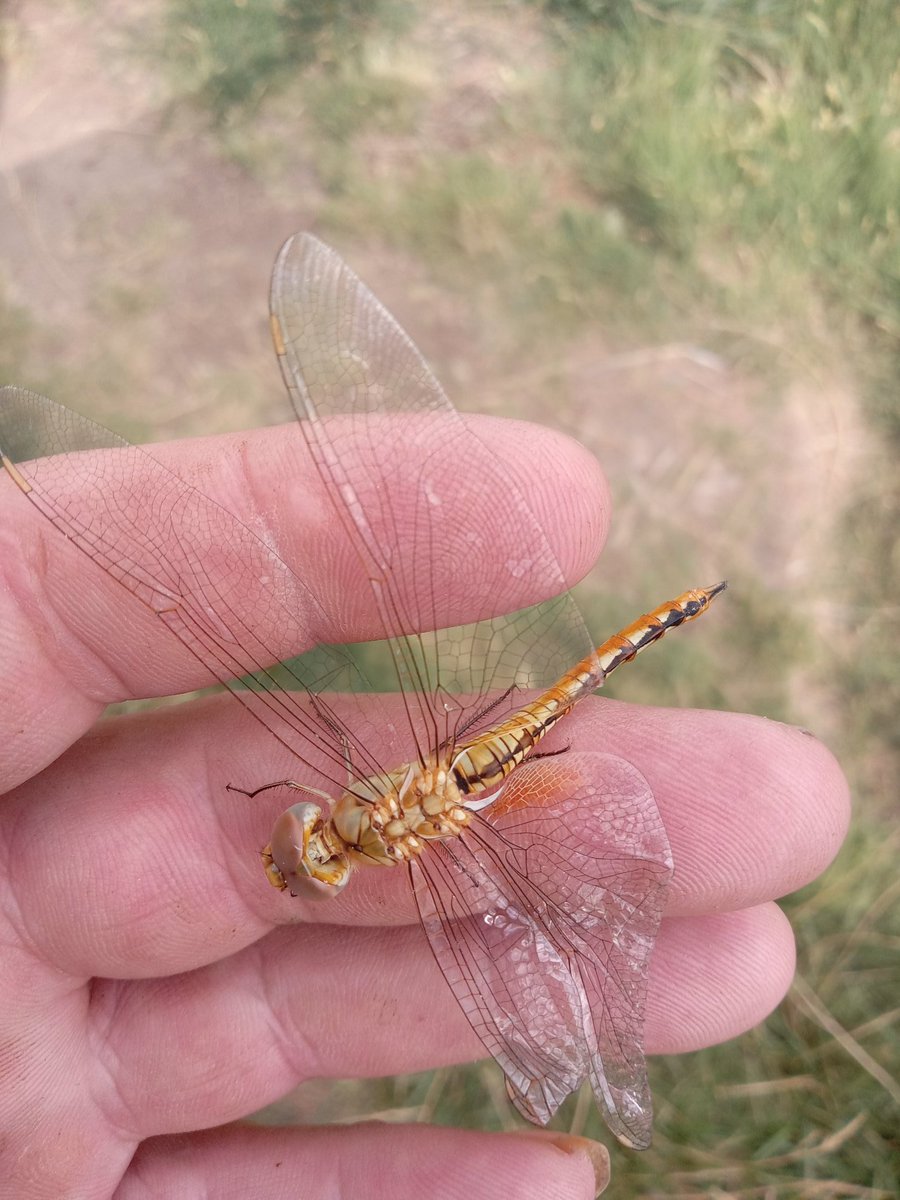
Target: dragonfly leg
[331,724]
[548,754]
[290,783]
[478,716]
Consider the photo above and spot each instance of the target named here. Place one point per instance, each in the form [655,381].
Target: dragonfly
[540,901]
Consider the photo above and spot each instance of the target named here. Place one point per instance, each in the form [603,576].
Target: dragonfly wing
[517,991]
[207,576]
[363,395]
[585,838]
[542,917]
[395,458]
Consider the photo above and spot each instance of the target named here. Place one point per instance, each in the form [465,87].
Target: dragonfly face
[541,908]
[301,856]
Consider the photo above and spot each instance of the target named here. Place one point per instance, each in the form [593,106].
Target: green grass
[764,137]
[230,55]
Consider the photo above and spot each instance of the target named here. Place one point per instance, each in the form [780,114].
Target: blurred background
[667,228]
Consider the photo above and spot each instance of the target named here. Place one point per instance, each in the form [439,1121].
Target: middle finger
[130,858]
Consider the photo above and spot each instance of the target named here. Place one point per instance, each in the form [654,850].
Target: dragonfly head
[302,856]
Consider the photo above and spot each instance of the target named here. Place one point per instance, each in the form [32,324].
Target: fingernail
[595,1152]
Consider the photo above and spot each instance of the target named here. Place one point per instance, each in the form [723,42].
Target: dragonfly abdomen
[487,762]
[630,641]
[484,760]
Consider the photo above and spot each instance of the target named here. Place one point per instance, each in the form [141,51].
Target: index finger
[75,641]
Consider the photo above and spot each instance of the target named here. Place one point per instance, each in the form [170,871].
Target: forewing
[207,577]
[576,849]
[395,459]
[351,371]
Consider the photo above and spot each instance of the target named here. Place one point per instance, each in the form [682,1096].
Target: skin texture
[154,989]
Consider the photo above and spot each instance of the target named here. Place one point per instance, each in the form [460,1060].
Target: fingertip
[714,977]
[754,809]
[595,1154]
[562,482]
[790,807]
[819,781]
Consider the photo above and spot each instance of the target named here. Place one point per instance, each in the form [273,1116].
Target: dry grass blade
[816,1010]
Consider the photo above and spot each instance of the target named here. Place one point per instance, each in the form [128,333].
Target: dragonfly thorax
[387,818]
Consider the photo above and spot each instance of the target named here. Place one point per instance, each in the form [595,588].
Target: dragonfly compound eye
[305,859]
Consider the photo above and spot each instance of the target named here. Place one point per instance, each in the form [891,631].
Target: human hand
[154,987]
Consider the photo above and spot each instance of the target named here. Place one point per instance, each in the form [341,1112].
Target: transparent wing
[351,373]
[208,578]
[542,917]
[394,456]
